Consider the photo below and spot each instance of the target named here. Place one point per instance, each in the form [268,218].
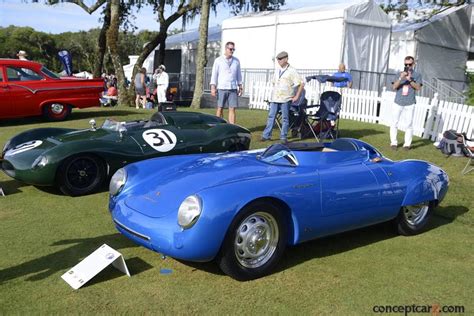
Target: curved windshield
[49,73]
[278,155]
[111,125]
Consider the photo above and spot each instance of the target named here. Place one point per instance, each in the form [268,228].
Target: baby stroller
[324,124]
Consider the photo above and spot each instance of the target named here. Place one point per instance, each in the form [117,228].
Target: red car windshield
[49,73]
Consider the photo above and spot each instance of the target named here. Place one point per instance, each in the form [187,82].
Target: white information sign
[97,261]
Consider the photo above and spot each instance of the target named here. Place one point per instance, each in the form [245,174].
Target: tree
[236,7]
[165,22]
[201,53]
[423,9]
[113,46]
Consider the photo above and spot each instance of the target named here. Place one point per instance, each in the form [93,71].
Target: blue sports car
[242,209]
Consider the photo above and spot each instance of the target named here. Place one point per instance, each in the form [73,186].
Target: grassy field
[43,234]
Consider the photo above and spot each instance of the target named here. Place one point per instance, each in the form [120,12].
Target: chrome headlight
[7,144]
[189,211]
[40,162]
[118,181]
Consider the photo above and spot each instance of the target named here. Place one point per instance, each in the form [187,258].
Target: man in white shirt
[226,81]
[161,79]
[285,81]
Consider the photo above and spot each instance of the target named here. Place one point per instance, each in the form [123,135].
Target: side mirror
[93,124]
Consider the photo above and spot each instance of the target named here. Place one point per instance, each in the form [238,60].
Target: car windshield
[278,155]
[49,73]
[111,125]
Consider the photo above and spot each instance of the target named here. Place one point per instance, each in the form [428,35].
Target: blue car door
[352,188]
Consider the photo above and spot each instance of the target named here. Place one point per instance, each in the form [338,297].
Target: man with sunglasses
[406,86]
[285,80]
[226,81]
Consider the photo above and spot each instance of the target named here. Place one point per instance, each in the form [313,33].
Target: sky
[65,17]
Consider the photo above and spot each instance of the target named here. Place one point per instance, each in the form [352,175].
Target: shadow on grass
[335,244]
[340,243]
[12,187]
[358,133]
[64,259]
[75,115]
[135,266]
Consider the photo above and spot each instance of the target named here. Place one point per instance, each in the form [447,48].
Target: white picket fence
[431,116]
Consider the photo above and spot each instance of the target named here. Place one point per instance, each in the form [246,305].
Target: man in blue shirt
[343,74]
[226,81]
[407,84]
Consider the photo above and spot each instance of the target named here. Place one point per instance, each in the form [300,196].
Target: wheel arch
[420,190]
[84,153]
[289,220]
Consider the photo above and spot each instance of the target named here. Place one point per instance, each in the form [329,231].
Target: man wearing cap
[22,55]
[161,79]
[226,81]
[285,80]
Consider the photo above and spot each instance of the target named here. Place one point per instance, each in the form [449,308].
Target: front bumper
[164,235]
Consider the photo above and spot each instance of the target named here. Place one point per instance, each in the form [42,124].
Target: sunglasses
[231,49]
[282,58]
[408,65]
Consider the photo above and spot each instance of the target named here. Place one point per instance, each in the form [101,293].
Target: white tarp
[320,37]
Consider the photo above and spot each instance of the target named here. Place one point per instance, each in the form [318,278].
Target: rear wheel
[413,219]
[56,111]
[254,242]
[80,175]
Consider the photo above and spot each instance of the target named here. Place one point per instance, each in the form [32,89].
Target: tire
[413,219]
[56,111]
[240,257]
[80,175]
[236,147]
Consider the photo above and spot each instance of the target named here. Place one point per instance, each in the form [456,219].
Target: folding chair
[468,149]
[325,122]
[297,115]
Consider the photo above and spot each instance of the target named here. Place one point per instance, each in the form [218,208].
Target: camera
[406,69]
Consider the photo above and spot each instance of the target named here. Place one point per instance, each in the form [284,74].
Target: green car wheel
[81,174]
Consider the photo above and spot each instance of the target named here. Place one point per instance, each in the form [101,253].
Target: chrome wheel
[256,240]
[57,108]
[415,214]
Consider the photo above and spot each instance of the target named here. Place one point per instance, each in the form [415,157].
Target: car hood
[85,134]
[160,192]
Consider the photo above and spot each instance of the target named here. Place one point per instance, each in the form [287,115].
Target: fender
[420,190]
[35,134]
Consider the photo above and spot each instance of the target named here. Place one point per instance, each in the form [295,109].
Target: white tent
[320,37]
[441,45]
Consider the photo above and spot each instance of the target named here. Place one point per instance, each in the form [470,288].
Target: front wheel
[413,219]
[56,111]
[254,242]
[80,175]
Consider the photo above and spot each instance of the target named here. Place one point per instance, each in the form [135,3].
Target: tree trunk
[201,53]
[113,37]
[102,44]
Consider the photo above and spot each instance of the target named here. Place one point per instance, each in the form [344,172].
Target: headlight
[118,181]
[7,144]
[189,211]
[40,162]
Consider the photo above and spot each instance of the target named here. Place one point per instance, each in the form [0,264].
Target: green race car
[79,162]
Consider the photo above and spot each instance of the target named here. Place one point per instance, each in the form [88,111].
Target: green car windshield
[278,154]
[112,125]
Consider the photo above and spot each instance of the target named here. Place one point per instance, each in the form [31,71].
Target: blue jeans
[274,108]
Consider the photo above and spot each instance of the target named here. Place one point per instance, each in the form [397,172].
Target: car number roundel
[23,147]
[160,139]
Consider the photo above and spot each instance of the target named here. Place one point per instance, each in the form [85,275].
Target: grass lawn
[43,234]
